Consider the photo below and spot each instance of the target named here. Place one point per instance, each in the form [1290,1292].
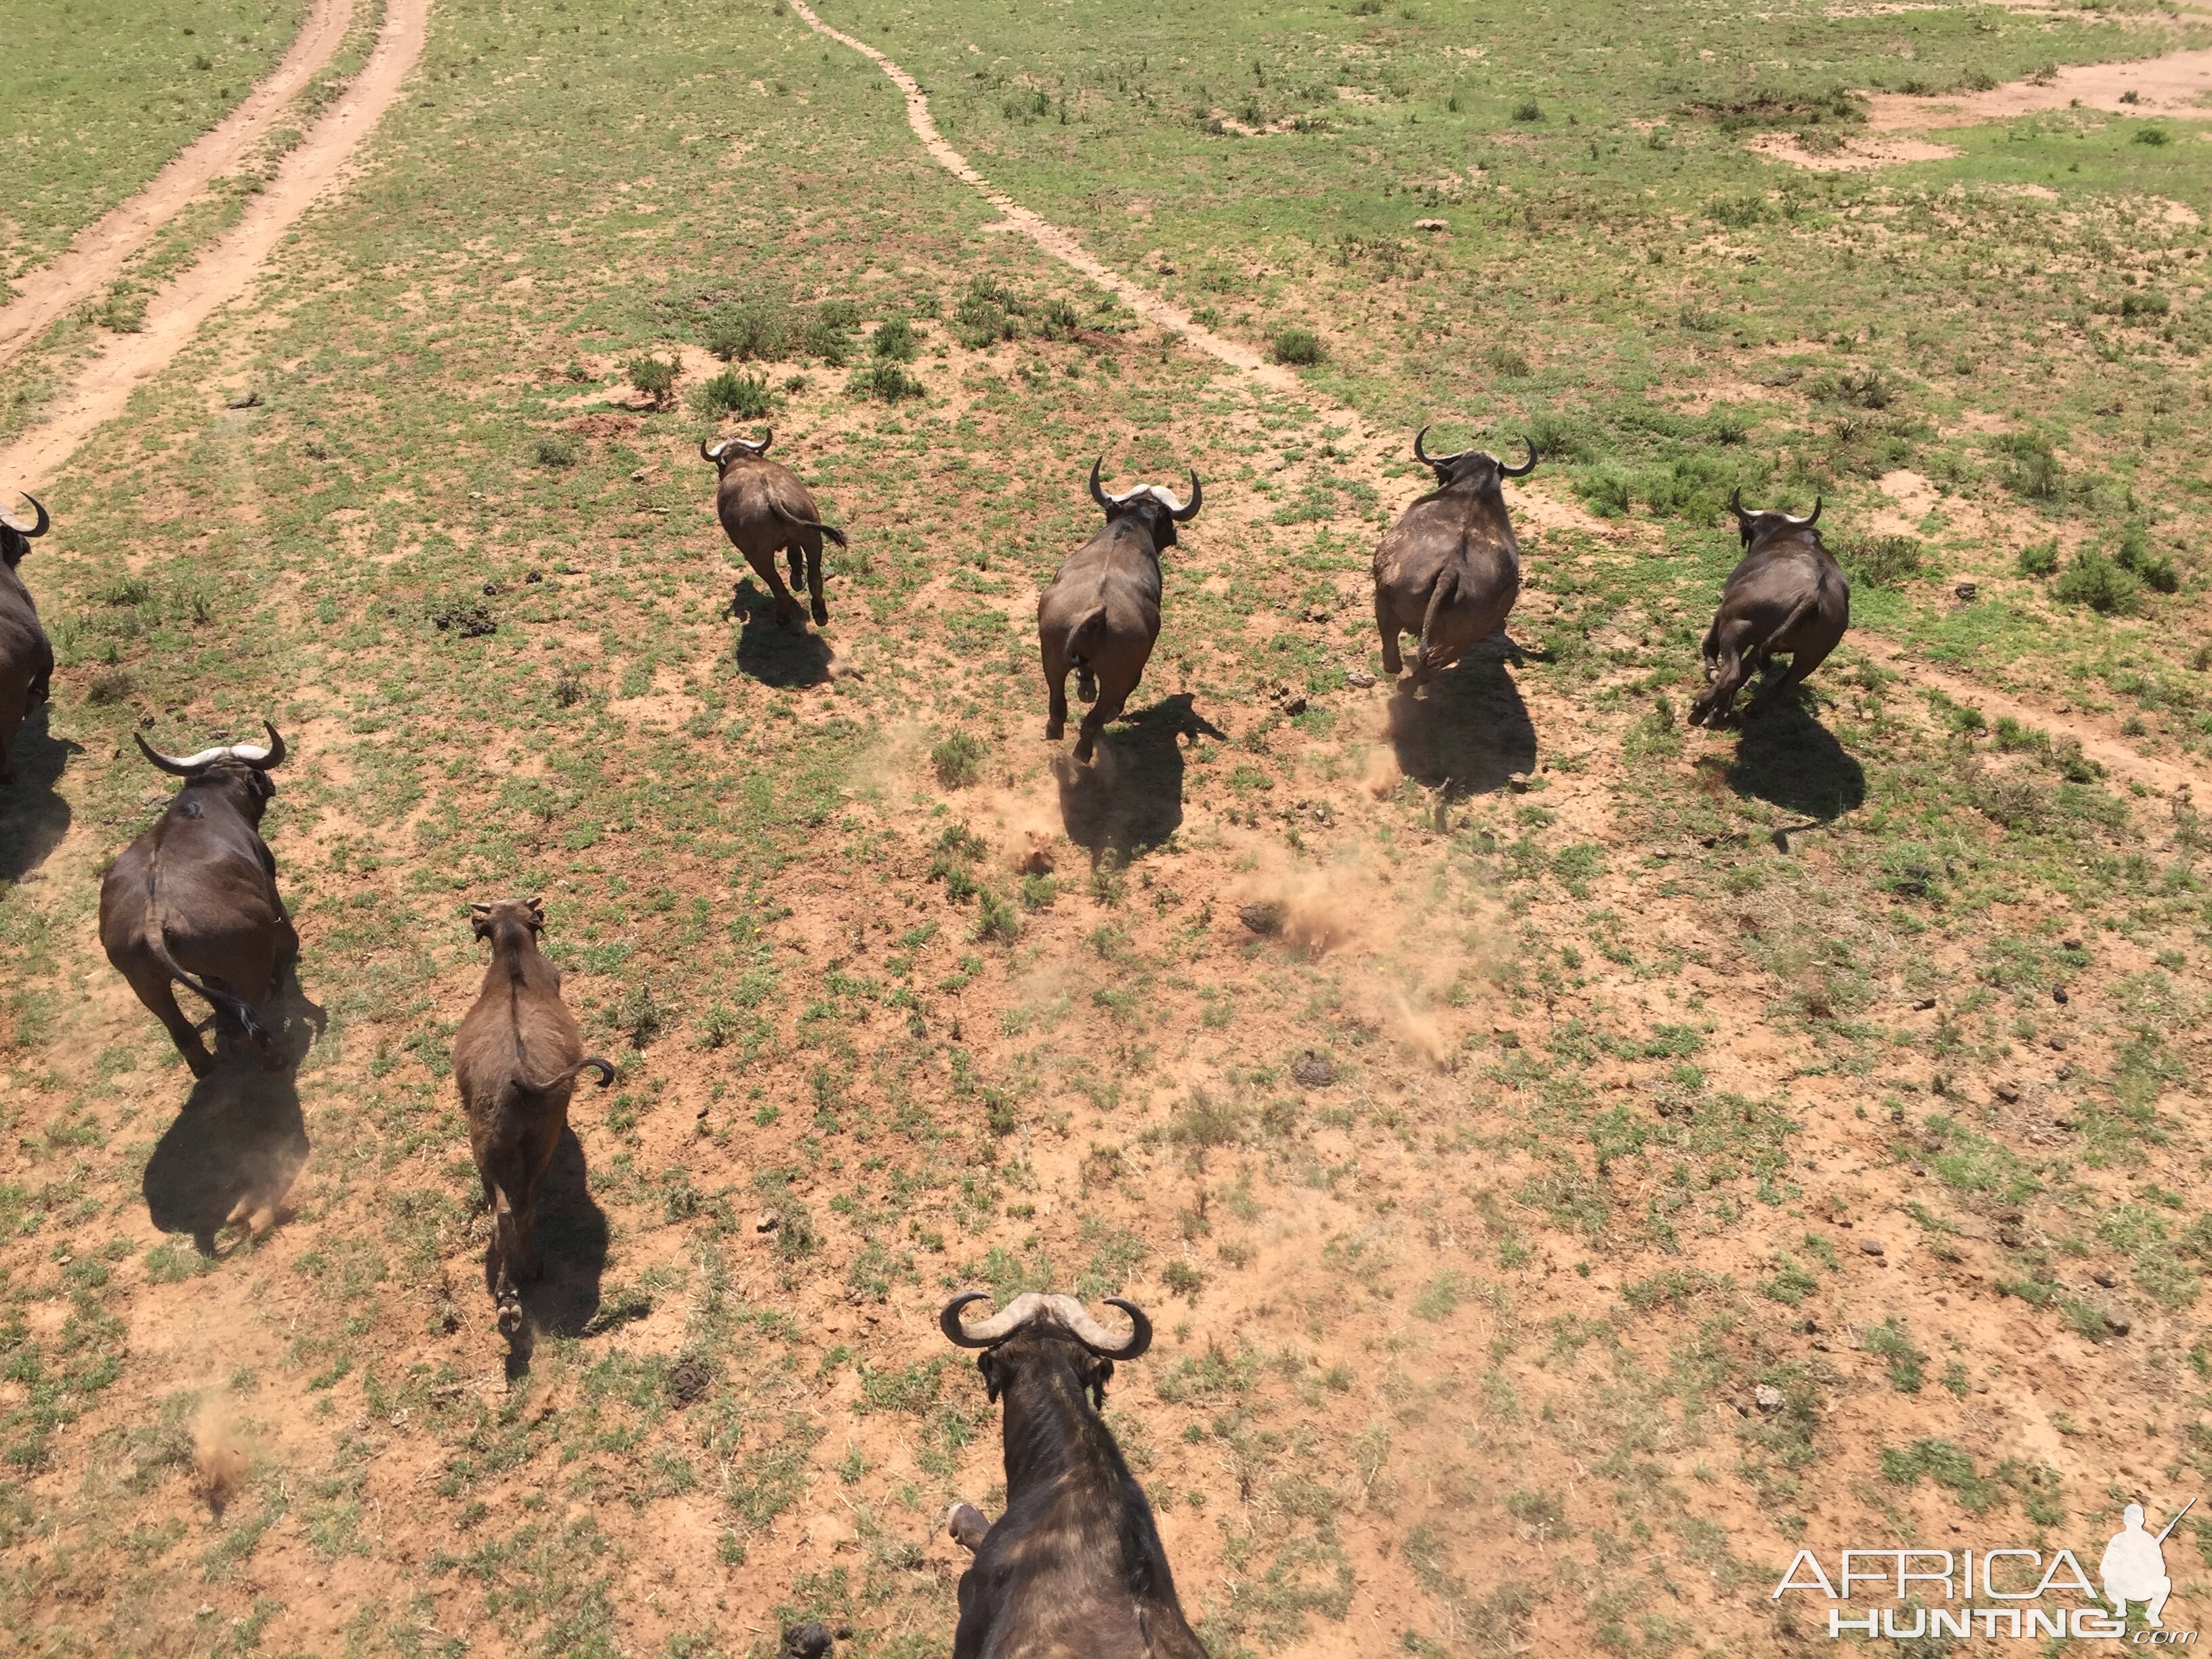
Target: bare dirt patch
[1856,154]
[2175,84]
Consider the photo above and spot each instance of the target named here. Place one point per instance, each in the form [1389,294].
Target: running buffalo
[765,510]
[1101,614]
[1449,569]
[27,659]
[1074,1565]
[1787,594]
[193,901]
[516,1058]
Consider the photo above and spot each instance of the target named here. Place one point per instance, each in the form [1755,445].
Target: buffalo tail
[590,1062]
[829,530]
[237,1008]
[1084,638]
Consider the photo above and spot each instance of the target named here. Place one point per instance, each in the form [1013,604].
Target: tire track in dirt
[103,386]
[2106,749]
[97,255]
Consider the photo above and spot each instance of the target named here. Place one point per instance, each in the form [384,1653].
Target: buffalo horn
[36,527]
[997,1328]
[1736,505]
[710,453]
[191,766]
[1808,520]
[1176,510]
[1093,1335]
[1097,489]
[1420,453]
[1525,468]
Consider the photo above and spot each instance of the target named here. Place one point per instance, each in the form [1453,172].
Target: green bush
[754,330]
[2032,470]
[2143,303]
[1527,109]
[896,341]
[2137,558]
[996,917]
[958,761]
[885,381]
[986,315]
[1058,320]
[746,396]
[655,377]
[2152,136]
[2039,559]
[1883,561]
[2094,581]
[1300,347]
[554,449]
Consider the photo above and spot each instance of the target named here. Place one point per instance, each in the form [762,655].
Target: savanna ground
[1610,1156]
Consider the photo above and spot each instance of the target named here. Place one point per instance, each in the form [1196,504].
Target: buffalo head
[730,449]
[1468,463]
[16,532]
[486,920]
[1752,525]
[1160,511]
[246,763]
[1034,1325]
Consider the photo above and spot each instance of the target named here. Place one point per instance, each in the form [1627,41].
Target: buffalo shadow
[1786,757]
[1468,732]
[563,1299]
[239,1141]
[768,651]
[33,816]
[1129,799]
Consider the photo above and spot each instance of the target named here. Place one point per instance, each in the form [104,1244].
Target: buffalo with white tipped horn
[1449,571]
[765,511]
[193,901]
[1074,1564]
[1787,594]
[1101,616]
[26,657]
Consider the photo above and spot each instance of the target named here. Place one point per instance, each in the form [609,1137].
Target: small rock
[535,576]
[2070,944]
[689,1378]
[1965,591]
[2065,1123]
[2116,1326]
[765,1222]
[491,590]
[2059,994]
[1871,1246]
[2006,1091]
[1517,782]
[809,1641]
[2057,1043]
[1264,920]
[2104,1278]
[2011,1238]
[638,477]
[1313,1070]
[1924,1004]
[1768,1397]
[1360,677]
[251,400]
[1432,224]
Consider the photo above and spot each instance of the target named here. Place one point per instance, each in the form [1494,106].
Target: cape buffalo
[1101,613]
[27,659]
[193,901]
[516,1058]
[1787,593]
[1449,569]
[1074,1565]
[764,509]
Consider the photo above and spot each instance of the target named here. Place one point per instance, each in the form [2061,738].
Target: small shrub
[654,376]
[1883,560]
[1908,1366]
[2039,559]
[829,331]
[2094,581]
[1527,109]
[757,329]
[2032,470]
[896,341]
[1508,362]
[2135,557]
[568,689]
[554,449]
[124,590]
[996,918]
[1300,347]
[958,761]
[985,315]
[112,687]
[2141,304]
[638,1016]
[886,382]
[1058,320]
[742,396]
[2152,136]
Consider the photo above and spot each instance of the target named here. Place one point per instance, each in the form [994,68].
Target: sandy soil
[105,384]
[97,253]
[2171,85]
[1855,155]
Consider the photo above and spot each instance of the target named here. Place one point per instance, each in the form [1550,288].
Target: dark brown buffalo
[1787,594]
[1101,613]
[1074,1565]
[516,1058]
[27,659]
[765,510]
[193,901]
[1449,569]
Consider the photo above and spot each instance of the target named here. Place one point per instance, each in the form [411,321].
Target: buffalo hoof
[822,616]
[1084,751]
[966,1526]
[1054,730]
[510,1319]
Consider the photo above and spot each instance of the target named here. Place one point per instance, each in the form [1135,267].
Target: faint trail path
[1052,239]
[103,386]
[2169,76]
[97,252]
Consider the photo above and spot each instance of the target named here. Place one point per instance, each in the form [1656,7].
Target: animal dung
[473,620]
[1313,1070]
[1359,678]
[689,1379]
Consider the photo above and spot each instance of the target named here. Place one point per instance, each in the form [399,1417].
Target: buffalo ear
[1102,1373]
[537,914]
[987,1363]
[480,921]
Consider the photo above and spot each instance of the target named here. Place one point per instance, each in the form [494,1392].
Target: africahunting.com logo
[2008,1592]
